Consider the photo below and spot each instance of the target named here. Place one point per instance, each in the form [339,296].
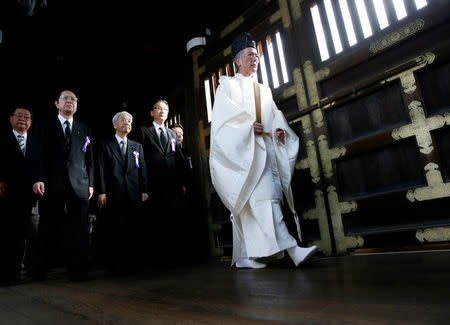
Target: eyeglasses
[25,117]
[161,108]
[67,98]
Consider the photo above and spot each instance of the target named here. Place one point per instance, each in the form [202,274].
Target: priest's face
[248,62]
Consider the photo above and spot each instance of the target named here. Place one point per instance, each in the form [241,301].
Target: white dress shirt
[63,120]
[157,126]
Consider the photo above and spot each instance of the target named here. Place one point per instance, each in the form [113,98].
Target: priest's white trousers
[264,232]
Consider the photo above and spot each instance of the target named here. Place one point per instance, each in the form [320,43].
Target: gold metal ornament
[433,234]
[319,213]
[397,36]
[311,82]
[327,155]
[337,209]
[436,188]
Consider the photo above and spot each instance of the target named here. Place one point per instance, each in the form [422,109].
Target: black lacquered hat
[241,42]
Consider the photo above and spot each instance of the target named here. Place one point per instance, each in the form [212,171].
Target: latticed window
[340,24]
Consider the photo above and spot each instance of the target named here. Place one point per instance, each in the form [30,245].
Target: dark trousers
[163,230]
[12,236]
[31,235]
[63,235]
[122,229]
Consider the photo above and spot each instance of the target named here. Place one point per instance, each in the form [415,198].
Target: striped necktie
[21,140]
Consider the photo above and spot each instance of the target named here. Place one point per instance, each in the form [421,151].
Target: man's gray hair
[237,56]
[116,117]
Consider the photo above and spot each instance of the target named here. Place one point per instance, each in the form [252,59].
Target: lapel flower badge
[136,158]
[86,143]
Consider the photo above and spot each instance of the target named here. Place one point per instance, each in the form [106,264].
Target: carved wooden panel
[442,138]
[389,168]
[382,109]
[435,87]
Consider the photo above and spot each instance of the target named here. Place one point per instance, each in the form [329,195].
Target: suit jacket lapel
[15,144]
[59,133]
[115,148]
[130,156]
[76,138]
[170,138]
[155,136]
[28,147]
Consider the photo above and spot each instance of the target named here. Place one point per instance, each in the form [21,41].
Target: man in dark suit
[178,128]
[63,175]
[122,187]
[166,179]
[16,196]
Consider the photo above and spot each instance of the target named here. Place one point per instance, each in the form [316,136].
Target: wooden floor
[396,288]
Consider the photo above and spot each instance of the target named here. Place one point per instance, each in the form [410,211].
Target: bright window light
[265,79]
[362,13]
[333,26]
[420,4]
[320,35]
[381,13]
[400,10]
[214,83]
[208,100]
[283,62]
[227,69]
[262,64]
[348,23]
[273,66]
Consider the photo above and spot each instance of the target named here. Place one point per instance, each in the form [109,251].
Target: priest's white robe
[250,172]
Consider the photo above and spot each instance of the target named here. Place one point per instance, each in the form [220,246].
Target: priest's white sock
[247,263]
[301,254]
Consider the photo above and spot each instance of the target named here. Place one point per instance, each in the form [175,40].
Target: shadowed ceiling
[109,51]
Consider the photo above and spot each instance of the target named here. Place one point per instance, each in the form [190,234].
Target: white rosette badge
[136,158]
[86,143]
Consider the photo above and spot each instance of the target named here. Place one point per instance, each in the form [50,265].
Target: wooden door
[372,111]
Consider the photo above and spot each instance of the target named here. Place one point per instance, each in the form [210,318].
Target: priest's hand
[279,134]
[258,127]
[144,197]
[91,192]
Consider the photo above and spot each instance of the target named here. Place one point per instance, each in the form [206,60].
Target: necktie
[67,131]
[21,140]
[162,138]
[123,147]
